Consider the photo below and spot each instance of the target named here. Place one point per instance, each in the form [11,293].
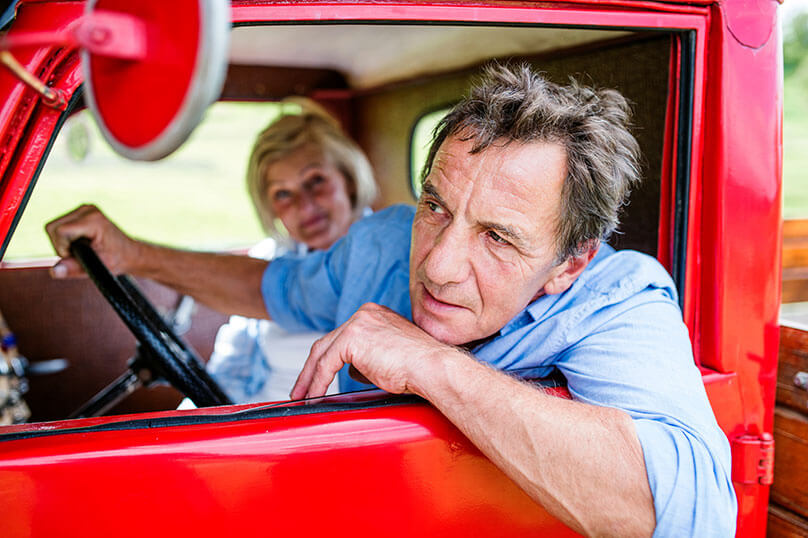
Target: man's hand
[118,251]
[539,441]
[388,350]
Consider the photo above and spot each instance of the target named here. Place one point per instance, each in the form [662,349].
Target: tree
[795,42]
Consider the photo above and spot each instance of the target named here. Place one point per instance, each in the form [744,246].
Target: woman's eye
[281,195]
[315,182]
[497,238]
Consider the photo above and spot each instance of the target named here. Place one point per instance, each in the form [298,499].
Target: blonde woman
[308,182]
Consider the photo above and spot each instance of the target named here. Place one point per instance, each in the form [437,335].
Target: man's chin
[446,333]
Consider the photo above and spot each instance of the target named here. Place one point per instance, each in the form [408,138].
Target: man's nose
[448,261]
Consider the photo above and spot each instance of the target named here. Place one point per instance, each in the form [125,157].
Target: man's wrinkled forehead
[519,167]
[513,186]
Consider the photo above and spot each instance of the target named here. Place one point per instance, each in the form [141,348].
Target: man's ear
[566,272]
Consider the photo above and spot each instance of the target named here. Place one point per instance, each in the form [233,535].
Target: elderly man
[503,263]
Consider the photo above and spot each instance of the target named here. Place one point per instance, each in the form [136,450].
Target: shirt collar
[536,310]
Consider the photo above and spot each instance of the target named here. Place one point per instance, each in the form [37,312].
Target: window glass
[195,198]
[419,146]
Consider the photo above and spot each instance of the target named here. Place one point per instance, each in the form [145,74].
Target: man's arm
[583,463]
[228,283]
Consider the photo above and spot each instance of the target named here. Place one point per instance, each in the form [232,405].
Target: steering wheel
[161,353]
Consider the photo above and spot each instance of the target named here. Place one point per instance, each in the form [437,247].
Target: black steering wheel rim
[162,351]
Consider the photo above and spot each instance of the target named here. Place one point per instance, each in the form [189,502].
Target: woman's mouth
[314,224]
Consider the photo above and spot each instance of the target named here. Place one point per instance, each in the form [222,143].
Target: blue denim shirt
[616,334]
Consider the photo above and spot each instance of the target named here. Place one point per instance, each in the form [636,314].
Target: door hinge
[753,459]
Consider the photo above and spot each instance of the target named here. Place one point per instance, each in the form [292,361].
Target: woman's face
[310,195]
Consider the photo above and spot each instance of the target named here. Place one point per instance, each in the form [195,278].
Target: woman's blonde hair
[289,133]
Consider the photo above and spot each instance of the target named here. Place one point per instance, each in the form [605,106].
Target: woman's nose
[305,201]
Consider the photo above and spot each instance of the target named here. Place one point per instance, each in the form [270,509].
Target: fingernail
[58,271]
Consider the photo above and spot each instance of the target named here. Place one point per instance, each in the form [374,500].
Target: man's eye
[435,208]
[497,238]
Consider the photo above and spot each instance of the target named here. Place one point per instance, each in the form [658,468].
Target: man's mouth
[438,305]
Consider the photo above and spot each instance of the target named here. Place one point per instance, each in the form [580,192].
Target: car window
[419,146]
[195,198]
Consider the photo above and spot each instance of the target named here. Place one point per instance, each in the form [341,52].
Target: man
[503,263]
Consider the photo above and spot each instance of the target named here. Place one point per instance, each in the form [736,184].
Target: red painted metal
[18,102]
[739,285]
[23,148]
[611,14]
[107,33]
[114,35]
[407,459]
[753,459]
[390,471]
[131,119]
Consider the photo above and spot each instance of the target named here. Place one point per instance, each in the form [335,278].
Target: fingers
[67,268]
[383,346]
[318,350]
[327,369]
[63,230]
[115,249]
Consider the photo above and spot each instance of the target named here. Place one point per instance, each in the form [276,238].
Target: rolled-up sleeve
[302,293]
[639,359]
[693,495]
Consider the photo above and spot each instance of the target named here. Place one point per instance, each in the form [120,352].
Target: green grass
[195,198]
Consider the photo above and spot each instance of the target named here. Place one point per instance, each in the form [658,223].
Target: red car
[706,81]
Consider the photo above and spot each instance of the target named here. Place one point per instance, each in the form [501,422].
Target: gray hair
[291,132]
[516,104]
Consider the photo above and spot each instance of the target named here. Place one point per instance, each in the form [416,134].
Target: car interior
[380,80]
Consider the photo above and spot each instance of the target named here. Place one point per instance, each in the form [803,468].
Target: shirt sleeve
[639,359]
[302,293]
[322,289]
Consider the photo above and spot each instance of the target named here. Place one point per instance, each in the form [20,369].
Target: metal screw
[100,35]
[801,380]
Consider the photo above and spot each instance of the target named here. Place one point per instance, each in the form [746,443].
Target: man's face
[483,236]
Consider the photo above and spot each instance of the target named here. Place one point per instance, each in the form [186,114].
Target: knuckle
[324,370]
[352,329]
[317,347]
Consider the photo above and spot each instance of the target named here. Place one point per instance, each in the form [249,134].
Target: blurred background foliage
[795,41]
[795,118]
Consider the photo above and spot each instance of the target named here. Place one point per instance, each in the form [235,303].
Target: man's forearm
[228,283]
[583,463]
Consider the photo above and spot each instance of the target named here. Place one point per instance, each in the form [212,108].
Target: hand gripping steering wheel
[161,353]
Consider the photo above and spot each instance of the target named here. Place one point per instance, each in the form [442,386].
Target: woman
[308,182]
